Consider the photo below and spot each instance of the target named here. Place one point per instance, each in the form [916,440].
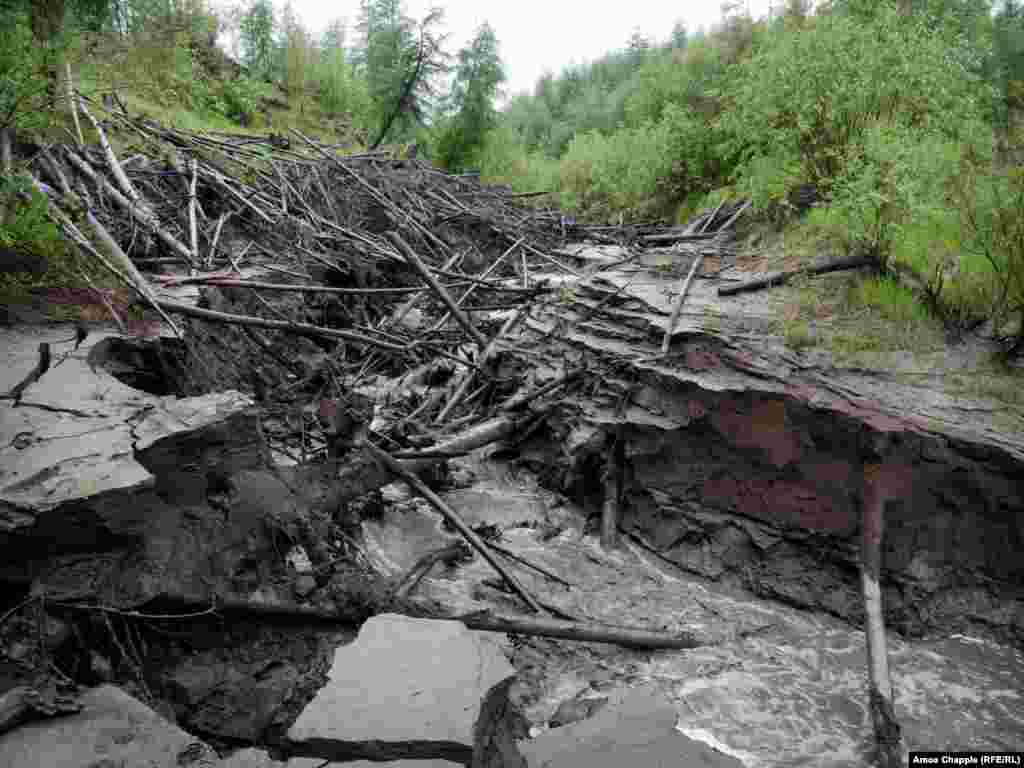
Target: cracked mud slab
[77,430]
[113,729]
[405,689]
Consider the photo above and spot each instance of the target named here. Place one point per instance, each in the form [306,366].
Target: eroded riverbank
[775,685]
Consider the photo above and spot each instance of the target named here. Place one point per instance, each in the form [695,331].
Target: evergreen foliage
[477,78]
[257,36]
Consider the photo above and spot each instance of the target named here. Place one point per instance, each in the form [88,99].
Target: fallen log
[460,525]
[888,749]
[357,612]
[485,356]
[112,162]
[363,475]
[469,291]
[301,329]
[414,261]
[781,278]
[520,401]
[142,215]
[449,555]
[677,310]
[531,565]
[677,237]
[580,632]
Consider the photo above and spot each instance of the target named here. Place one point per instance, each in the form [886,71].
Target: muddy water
[774,686]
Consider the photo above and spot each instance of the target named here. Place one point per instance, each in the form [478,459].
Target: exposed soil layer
[762,492]
[748,463]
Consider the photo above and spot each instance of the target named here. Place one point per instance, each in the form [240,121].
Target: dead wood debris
[772,279]
[395,289]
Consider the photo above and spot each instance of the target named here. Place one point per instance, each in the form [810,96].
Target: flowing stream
[775,685]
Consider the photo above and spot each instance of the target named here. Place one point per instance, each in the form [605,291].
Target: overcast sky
[544,35]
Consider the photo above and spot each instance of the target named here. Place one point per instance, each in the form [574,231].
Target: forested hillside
[901,122]
[381,77]
[898,124]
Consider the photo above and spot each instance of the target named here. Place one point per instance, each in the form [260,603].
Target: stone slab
[406,688]
[636,728]
[113,729]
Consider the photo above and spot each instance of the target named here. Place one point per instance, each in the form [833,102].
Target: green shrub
[240,98]
[505,160]
[888,200]
[992,269]
[24,95]
[811,94]
[687,78]
[617,173]
[24,222]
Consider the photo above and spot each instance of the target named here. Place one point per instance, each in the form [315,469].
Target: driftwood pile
[364,299]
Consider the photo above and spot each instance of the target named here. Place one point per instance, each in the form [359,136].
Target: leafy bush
[24,222]
[892,182]
[505,160]
[693,146]
[606,174]
[23,87]
[240,97]
[990,208]
[811,94]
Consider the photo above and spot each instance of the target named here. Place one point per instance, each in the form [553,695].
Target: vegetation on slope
[904,119]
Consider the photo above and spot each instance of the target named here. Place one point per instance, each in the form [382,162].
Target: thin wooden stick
[732,219]
[358,477]
[53,167]
[302,329]
[216,238]
[538,568]
[571,630]
[557,263]
[408,305]
[519,401]
[192,229]
[610,508]
[112,162]
[136,280]
[224,280]
[880,695]
[73,103]
[497,262]
[415,262]
[453,517]
[711,218]
[677,310]
[143,216]
[779,278]
[467,378]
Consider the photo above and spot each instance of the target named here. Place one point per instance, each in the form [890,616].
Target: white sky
[544,35]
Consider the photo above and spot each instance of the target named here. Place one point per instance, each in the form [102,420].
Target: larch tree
[478,77]
[257,38]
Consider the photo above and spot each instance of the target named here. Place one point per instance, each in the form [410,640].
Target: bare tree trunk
[69,86]
[6,155]
[610,510]
[880,694]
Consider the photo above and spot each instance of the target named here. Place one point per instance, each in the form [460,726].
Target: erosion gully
[774,685]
